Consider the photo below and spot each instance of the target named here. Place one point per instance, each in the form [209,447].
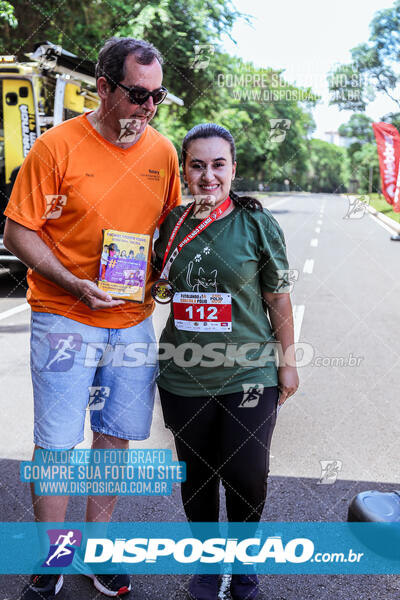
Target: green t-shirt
[241,255]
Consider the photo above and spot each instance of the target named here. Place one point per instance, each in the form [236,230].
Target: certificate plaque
[124,264]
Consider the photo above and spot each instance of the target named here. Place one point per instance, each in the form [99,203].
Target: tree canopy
[330,167]
[359,127]
[374,65]
[7,14]
[269,118]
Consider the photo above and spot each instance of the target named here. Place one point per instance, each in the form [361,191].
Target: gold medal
[162,291]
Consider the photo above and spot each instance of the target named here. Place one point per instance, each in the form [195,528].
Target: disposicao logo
[63,543]
[190,550]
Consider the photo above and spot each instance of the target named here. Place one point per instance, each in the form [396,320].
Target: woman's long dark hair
[209,130]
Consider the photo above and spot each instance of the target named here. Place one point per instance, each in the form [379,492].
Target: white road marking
[382,224]
[281,201]
[14,311]
[318,230]
[298,314]
[314,242]
[308,266]
[319,222]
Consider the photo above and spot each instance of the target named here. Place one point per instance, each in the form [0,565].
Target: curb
[380,216]
[387,220]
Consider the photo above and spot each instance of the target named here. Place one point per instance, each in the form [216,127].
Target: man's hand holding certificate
[123,264]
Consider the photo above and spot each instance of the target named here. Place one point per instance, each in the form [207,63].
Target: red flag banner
[388,142]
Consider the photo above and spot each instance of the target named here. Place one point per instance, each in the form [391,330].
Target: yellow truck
[52,86]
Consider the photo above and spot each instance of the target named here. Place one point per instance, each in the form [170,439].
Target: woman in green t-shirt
[219,384]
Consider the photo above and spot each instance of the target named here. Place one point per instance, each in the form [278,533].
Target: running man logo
[286,280]
[48,59]
[97,397]
[252,393]
[203,205]
[279,129]
[62,351]
[202,55]
[357,207]
[130,129]
[329,471]
[63,543]
[54,206]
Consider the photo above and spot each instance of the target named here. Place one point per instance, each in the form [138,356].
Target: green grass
[379,203]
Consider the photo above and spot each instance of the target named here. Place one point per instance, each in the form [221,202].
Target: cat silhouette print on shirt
[202,282]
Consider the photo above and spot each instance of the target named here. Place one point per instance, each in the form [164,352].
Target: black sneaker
[204,587]
[42,586]
[111,585]
[244,587]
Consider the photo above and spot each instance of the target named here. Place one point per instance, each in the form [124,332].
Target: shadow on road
[14,328]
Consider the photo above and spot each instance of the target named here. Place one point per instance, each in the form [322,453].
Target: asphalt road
[346,302]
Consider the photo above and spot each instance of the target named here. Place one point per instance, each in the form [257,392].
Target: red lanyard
[217,212]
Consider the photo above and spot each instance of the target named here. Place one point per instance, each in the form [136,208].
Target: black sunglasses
[139,95]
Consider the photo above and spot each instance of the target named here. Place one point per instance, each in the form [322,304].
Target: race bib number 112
[202,311]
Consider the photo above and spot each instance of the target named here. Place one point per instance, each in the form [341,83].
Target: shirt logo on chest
[154,174]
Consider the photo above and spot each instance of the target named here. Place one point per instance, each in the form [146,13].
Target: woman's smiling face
[208,169]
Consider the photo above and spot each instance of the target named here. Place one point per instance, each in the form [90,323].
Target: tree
[214,86]
[7,14]
[183,30]
[362,152]
[358,127]
[365,168]
[187,33]
[251,102]
[245,100]
[330,169]
[373,67]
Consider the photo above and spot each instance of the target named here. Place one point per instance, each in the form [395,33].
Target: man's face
[118,107]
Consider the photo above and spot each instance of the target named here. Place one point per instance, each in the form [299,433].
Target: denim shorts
[77,367]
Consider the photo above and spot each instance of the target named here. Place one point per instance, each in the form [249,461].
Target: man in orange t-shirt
[104,170]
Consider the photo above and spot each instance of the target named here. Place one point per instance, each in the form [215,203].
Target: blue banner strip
[153,547]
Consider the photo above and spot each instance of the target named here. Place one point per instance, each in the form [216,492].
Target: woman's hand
[288,382]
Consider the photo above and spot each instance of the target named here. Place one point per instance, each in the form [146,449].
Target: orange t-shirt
[102,187]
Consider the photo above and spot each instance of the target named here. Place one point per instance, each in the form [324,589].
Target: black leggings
[223,438]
